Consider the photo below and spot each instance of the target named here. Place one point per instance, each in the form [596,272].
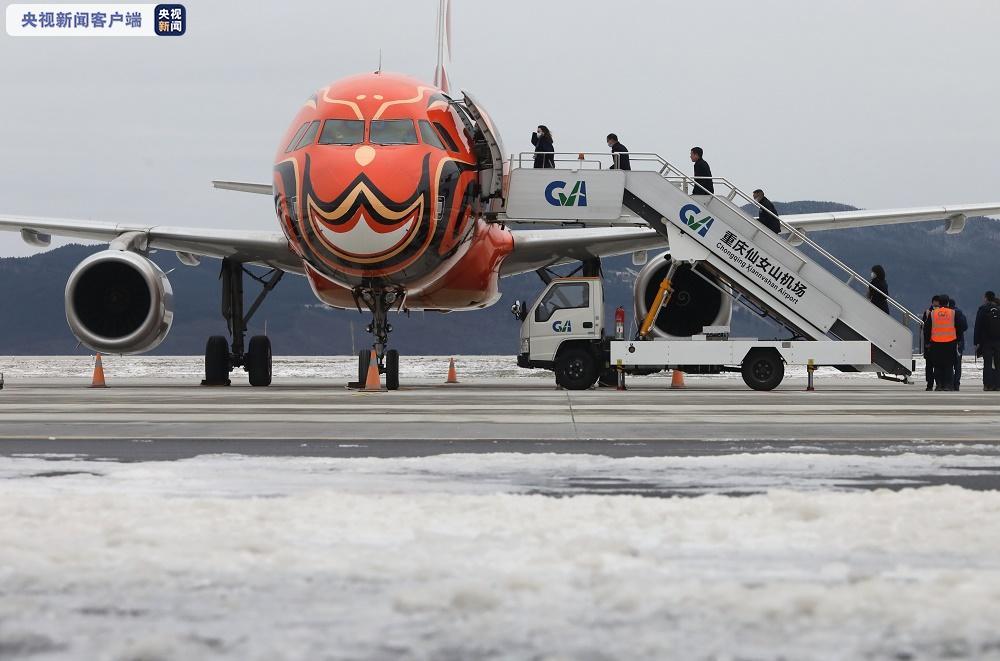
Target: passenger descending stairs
[717,234]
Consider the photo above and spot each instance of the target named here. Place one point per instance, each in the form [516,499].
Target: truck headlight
[525,345]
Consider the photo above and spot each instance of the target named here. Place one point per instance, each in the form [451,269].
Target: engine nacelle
[119,302]
[694,304]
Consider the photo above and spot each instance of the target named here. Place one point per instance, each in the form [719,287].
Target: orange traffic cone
[677,379]
[452,375]
[98,380]
[373,382]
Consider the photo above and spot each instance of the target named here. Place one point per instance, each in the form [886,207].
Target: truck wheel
[576,369]
[608,378]
[763,369]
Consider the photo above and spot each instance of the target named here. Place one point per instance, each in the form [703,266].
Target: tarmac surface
[163,418]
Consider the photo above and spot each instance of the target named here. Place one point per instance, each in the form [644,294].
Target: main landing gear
[379,301]
[221,358]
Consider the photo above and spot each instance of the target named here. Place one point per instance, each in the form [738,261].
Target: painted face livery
[375,181]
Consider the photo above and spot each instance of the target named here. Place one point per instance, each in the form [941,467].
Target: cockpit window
[295,138]
[446,136]
[393,132]
[342,132]
[428,136]
[309,135]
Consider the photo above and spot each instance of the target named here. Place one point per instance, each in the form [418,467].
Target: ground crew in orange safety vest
[940,340]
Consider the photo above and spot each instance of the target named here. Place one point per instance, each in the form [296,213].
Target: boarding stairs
[714,233]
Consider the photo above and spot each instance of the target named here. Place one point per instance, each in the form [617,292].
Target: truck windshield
[563,296]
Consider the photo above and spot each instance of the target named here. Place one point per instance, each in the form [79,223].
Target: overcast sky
[876,104]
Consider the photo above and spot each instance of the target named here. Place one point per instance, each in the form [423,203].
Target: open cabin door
[489,152]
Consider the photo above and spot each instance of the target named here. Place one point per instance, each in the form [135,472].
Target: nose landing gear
[379,301]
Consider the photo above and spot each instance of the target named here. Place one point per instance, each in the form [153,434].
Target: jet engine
[119,302]
[695,302]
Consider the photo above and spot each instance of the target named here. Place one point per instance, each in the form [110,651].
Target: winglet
[243,187]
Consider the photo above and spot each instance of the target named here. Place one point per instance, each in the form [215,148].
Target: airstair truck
[714,237]
[563,331]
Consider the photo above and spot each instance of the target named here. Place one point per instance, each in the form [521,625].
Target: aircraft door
[490,154]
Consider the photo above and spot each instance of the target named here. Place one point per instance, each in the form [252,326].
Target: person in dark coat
[542,139]
[768,216]
[619,154]
[878,289]
[702,173]
[925,320]
[961,325]
[986,337]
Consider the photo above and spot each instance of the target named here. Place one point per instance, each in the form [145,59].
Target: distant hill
[919,258]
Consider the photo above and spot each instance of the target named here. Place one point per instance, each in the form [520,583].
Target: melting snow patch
[447,557]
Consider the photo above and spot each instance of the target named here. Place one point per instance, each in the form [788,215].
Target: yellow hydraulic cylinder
[662,298]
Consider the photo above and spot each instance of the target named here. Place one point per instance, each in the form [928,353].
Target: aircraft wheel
[392,370]
[217,364]
[258,360]
[763,369]
[576,369]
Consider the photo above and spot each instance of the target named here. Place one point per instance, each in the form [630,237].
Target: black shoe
[930,386]
[938,389]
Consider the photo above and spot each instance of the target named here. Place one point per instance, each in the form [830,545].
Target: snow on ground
[459,557]
[345,367]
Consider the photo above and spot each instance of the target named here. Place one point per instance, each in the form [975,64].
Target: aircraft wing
[535,249]
[955,214]
[263,248]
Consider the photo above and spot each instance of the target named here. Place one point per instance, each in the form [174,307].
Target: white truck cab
[563,331]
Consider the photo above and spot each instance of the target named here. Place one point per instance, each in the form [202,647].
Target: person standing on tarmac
[878,289]
[961,325]
[702,173]
[768,216]
[986,337]
[925,321]
[940,338]
[542,139]
[619,154]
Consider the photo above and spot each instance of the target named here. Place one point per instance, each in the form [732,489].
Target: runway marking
[568,404]
[709,419]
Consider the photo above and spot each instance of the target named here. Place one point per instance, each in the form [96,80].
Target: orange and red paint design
[366,214]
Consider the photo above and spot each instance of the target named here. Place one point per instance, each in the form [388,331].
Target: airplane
[389,196]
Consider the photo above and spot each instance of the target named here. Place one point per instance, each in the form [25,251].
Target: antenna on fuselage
[379,70]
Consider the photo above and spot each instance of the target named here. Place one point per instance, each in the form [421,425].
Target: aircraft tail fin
[443,44]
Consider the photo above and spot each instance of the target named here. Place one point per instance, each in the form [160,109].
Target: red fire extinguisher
[620,323]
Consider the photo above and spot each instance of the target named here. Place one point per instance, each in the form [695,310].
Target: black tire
[576,369]
[763,369]
[258,360]
[217,365]
[392,370]
[608,378]
[364,358]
